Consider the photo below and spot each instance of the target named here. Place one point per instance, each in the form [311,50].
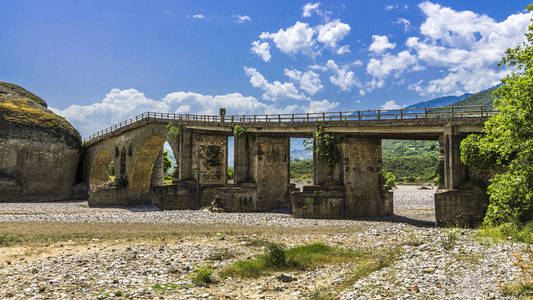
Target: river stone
[39,150]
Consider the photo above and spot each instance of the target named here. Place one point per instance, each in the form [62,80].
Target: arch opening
[101,170]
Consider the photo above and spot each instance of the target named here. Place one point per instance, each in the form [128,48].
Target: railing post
[359,115]
[323,116]
[307,117]
[279,118]
[453,112]
[401,113]
[340,115]
[379,114]
[292,118]
[425,112]
[481,108]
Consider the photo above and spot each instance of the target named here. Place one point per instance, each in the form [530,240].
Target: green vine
[173,131]
[238,131]
[325,145]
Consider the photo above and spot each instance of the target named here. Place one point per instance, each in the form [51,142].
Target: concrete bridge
[351,188]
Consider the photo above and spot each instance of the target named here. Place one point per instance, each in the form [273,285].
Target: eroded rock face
[39,150]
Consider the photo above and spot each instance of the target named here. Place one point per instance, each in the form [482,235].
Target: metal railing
[452,112]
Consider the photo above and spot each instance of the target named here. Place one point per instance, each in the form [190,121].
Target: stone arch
[130,150]
[100,169]
[145,158]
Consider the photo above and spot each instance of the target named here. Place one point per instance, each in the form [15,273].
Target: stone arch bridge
[350,189]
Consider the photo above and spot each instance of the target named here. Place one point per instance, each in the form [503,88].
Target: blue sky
[99,62]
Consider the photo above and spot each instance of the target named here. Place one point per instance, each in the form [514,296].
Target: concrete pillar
[272,172]
[454,169]
[245,158]
[209,158]
[184,155]
[362,178]
[322,171]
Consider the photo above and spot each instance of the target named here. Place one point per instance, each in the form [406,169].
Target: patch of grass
[277,258]
[116,293]
[170,286]
[449,239]
[509,231]
[221,255]
[203,276]
[6,240]
[523,289]
[322,293]
[413,240]
[372,260]
[469,257]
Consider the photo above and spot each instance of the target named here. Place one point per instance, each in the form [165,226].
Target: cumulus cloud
[391,7]
[309,8]
[465,44]
[320,106]
[305,39]
[308,81]
[391,104]
[273,91]
[241,19]
[389,63]
[343,77]
[297,38]
[332,32]
[261,49]
[380,43]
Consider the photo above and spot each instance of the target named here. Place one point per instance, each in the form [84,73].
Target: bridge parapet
[404,114]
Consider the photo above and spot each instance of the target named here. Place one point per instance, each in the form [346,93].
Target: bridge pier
[463,200]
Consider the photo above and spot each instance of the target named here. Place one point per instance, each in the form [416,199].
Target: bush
[275,256]
[203,276]
[389,180]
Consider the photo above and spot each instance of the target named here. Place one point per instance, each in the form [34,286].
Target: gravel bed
[434,262]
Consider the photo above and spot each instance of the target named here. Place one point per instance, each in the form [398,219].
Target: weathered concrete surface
[322,202]
[39,151]
[461,207]
[362,178]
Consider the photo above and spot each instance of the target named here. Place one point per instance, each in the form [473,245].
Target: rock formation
[39,150]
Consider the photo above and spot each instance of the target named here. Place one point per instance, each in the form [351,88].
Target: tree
[167,163]
[506,142]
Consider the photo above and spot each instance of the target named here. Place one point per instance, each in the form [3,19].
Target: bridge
[351,188]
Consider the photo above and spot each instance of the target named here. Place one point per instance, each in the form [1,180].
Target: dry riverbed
[67,250]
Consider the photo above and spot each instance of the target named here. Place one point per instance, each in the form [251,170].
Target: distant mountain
[440,102]
[481,98]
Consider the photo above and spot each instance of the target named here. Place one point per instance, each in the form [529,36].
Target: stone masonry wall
[209,155]
[362,177]
[272,172]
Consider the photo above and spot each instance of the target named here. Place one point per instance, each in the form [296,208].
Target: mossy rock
[23,109]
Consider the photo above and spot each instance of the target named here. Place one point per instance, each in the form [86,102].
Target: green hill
[481,98]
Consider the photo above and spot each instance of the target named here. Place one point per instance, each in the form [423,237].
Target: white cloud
[241,19]
[332,32]
[261,49]
[197,16]
[308,81]
[276,90]
[391,104]
[381,68]
[466,45]
[309,8]
[119,105]
[344,49]
[391,7]
[406,23]
[319,106]
[343,78]
[305,39]
[380,43]
[297,38]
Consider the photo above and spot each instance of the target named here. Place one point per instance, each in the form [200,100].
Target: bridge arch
[100,169]
[144,160]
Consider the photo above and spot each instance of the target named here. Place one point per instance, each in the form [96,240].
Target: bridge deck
[302,123]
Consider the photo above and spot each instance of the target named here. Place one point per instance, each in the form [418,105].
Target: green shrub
[203,276]
[275,256]
[389,180]
[508,231]
[449,239]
